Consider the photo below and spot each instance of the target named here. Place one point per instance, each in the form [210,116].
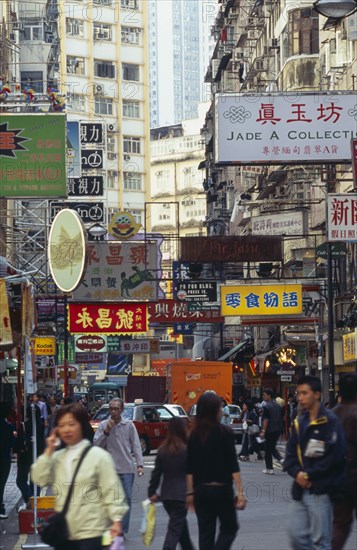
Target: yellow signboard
[5,324]
[45,345]
[349,347]
[261,300]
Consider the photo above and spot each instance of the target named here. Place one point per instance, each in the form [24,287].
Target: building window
[103,105]
[137,214]
[130,72]
[75,65]
[131,109]
[102,31]
[104,69]
[130,4]
[131,145]
[77,103]
[74,27]
[112,179]
[33,30]
[130,35]
[32,79]
[303,32]
[103,2]
[163,180]
[132,181]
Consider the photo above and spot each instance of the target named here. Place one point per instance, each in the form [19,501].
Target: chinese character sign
[342,217]
[278,128]
[291,223]
[124,271]
[5,324]
[33,155]
[349,347]
[107,318]
[261,300]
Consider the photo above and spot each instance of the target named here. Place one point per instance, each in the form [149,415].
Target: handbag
[253,429]
[54,531]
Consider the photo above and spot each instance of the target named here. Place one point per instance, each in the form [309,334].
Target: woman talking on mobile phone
[98,500]
[212,469]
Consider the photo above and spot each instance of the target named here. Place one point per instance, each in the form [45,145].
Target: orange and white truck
[187,380]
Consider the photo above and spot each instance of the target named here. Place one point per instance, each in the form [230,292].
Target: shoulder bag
[55,530]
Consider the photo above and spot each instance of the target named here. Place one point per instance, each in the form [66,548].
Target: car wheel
[145,446]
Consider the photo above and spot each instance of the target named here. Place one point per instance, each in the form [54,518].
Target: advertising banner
[289,223]
[90,344]
[261,300]
[285,128]
[33,155]
[45,345]
[5,324]
[349,347]
[231,249]
[120,271]
[342,217]
[172,311]
[107,318]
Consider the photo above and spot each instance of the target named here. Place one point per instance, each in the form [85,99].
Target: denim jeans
[310,526]
[127,481]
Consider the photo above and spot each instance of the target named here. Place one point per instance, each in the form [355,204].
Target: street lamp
[336,9]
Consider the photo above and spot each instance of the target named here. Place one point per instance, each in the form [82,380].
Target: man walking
[315,459]
[346,412]
[272,424]
[119,437]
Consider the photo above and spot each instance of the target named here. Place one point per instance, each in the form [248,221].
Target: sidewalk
[12,493]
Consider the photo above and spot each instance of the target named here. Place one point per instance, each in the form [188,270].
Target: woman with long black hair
[213,468]
[170,464]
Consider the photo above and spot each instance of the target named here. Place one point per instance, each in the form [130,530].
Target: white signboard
[285,128]
[279,224]
[342,217]
[120,271]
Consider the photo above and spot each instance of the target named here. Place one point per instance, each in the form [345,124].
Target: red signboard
[172,311]
[107,318]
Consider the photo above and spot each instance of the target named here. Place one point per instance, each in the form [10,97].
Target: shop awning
[239,347]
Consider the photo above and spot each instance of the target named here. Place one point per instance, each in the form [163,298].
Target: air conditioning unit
[111,141]
[260,65]
[253,35]
[98,89]
[126,157]
[112,156]
[111,127]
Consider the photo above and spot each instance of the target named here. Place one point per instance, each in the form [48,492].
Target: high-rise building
[179,34]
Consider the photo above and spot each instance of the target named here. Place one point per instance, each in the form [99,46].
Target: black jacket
[326,472]
[172,467]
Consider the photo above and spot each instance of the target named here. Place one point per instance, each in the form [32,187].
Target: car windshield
[177,410]
[102,414]
[128,412]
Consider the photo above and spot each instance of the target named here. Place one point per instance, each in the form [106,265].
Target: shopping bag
[148,523]
[117,544]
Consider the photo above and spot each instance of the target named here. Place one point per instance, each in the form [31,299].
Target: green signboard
[33,155]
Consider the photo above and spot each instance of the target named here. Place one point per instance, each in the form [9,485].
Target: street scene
[178,274]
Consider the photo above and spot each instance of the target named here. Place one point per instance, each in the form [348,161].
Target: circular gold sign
[67,250]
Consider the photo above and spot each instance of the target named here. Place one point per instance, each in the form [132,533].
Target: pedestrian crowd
[196,467]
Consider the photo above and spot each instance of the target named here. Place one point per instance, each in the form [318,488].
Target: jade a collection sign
[33,155]
[285,128]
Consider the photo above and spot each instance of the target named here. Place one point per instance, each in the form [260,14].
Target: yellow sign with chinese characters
[261,300]
[349,347]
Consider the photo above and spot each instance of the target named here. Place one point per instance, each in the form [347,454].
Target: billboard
[289,223]
[33,155]
[73,150]
[342,217]
[118,271]
[285,128]
[173,311]
[269,300]
[107,318]
[231,249]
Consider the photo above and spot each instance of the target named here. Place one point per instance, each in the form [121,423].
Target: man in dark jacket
[272,425]
[316,460]
[346,412]
[6,444]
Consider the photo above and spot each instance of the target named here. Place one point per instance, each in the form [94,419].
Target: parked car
[150,420]
[236,424]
